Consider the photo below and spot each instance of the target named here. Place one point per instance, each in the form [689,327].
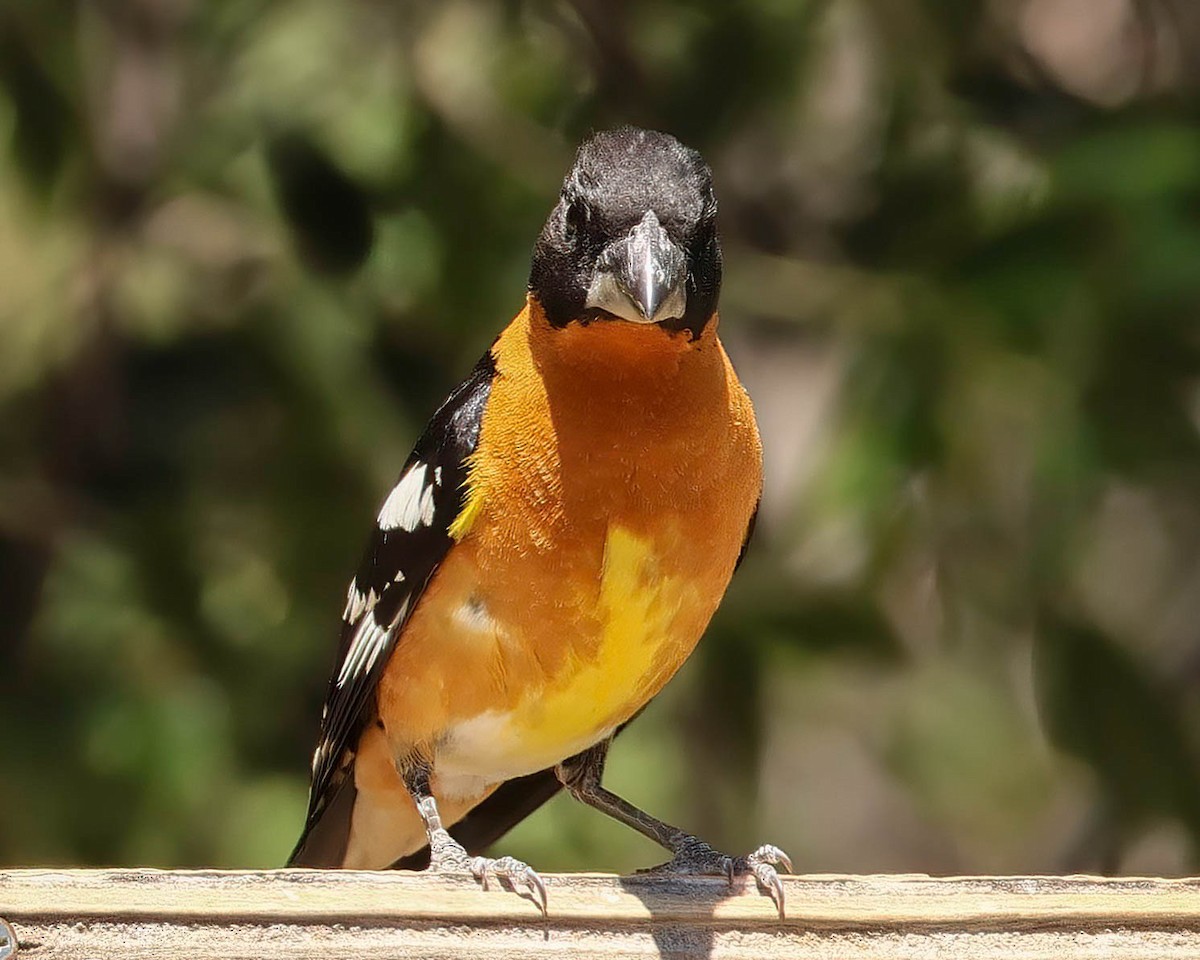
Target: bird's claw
[515,871]
[695,857]
[447,855]
[762,863]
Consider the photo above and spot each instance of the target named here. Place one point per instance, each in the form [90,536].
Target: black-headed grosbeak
[556,543]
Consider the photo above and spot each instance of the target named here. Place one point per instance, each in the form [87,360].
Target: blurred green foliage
[247,248]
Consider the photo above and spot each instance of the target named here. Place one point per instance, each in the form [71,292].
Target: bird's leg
[581,775]
[447,855]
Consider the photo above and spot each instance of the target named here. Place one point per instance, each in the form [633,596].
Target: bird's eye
[577,217]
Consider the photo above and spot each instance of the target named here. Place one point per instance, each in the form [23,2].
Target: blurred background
[246,248]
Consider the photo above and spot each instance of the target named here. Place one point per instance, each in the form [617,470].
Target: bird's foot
[694,857]
[447,855]
[516,872]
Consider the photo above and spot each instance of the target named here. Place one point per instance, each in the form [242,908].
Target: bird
[554,547]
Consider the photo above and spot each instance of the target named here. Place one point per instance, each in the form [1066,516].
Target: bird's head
[633,236]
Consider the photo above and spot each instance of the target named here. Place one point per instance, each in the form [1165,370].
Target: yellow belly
[644,635]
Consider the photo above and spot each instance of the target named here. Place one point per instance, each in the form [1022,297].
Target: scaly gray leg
[447,855]
[581,775]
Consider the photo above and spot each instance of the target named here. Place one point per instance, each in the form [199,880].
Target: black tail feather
[325,839]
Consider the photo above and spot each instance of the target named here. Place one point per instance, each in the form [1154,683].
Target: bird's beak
[641,277]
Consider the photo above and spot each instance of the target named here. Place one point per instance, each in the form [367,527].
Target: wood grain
[122,914]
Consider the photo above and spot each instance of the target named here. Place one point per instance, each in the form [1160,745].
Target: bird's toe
[516,872]
[694,857]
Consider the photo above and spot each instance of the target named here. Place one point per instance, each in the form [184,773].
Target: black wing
[410,539]
[515,800]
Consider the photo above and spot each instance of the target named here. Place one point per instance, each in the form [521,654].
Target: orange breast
[617,471]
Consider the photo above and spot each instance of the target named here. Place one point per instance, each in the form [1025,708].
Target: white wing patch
[324,748]
[410,503]
[356,603]
[319,753]
[368,642]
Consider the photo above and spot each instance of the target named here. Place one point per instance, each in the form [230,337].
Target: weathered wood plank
[78,914]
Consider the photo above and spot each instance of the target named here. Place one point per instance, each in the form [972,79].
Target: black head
[633,236]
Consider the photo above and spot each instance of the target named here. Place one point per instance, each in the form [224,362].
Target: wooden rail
[120,914]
